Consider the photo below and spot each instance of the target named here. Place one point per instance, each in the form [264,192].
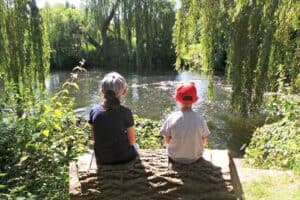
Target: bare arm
[92,134]
[204,140]
[167,139]
[131,135]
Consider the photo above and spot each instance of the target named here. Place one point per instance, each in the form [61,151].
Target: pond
[151,96]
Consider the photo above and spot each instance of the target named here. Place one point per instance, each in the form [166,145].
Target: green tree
[100,14]
[66,43]
[24,45]
[131,32]
[39,134]
[259,38]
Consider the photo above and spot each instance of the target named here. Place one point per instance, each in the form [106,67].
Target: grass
[284,187]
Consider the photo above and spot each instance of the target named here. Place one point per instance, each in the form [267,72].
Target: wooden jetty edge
[152,177]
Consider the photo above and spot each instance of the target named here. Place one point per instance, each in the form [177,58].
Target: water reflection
[148,96]
[52,82]
[134,90]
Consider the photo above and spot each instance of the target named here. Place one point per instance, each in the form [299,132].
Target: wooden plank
[84,161]
[74,185]
[235,180]
[217,157]
[153,175]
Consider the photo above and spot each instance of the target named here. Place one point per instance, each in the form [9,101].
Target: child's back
[112,124]
[185,130]
[111,141]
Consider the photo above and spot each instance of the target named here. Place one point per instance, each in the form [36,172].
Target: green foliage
[148,133]
[198,35]
[39,134]
[277,144]
[37,145]
[111,33]
[131,32]
[66,42]
[261,54]
[258,41]
[23,45]
[285,55]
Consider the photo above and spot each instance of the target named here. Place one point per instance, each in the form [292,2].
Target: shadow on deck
[152,177]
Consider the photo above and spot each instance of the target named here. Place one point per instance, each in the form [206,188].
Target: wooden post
[235,180]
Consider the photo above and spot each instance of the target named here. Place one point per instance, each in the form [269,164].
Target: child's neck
[186,109]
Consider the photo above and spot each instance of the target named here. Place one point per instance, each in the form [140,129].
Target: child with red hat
[185,132]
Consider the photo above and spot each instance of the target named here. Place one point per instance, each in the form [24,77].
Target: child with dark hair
[112,124]
[185,132]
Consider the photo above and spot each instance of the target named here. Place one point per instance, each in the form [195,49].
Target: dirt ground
[152,177]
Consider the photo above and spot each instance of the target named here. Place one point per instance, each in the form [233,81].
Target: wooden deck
[152,177]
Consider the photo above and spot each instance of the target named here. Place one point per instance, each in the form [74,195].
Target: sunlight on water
[150,96]
[52,82]
[134,89]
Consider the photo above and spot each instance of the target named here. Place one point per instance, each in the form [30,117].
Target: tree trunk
[104,29]
[139,35]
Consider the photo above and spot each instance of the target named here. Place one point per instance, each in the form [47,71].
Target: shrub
[148,133]
[36,147]
[277,144]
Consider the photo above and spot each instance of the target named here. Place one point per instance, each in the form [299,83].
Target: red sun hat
[186,93]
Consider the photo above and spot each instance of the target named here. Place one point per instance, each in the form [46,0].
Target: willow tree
[3,40]
[153,29]
[263,51]
[138,34]
[240,56]
[185,38]
[198,33]
[63,24]
[137,31]
[209,34]
[210,37]
[128,24]
[198,36]
[24,45]
[284,58]
[249,51]
[260,37]
[100,13]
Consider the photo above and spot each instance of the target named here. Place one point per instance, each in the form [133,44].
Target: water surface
[151,96]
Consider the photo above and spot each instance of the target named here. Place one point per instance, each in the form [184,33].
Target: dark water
[151,96]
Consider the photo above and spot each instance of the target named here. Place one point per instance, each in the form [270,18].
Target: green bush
[37,145]
[277,144]
[148,133]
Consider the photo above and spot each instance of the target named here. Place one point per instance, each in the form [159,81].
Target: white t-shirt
[186,130]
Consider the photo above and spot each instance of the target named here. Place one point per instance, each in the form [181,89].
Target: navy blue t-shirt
[110,128]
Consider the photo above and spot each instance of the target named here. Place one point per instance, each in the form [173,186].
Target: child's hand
[92,134]
[204,141]
[136,147]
